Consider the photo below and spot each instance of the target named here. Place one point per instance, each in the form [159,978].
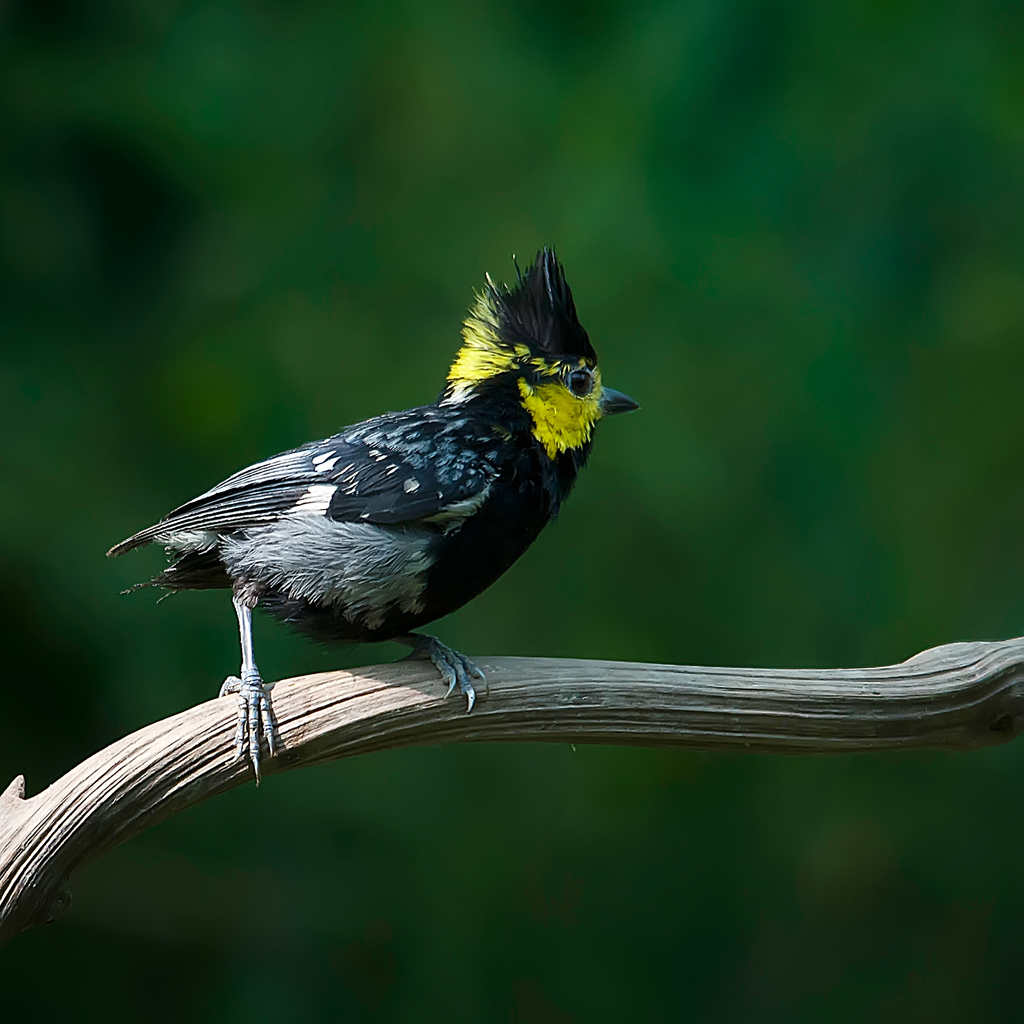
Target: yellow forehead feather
[482,354]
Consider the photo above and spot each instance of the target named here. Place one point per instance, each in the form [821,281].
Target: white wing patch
[325,463]
[452,516]
[316,500]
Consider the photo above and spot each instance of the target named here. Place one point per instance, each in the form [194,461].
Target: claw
[267,721]
[255,718]
[455,668]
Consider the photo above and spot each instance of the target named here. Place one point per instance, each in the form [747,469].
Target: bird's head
[530,339]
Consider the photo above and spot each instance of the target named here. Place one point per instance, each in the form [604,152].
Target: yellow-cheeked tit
[399,520]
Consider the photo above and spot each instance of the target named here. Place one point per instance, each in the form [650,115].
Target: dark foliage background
[794,231]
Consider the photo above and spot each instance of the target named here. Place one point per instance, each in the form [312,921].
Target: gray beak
[613,402]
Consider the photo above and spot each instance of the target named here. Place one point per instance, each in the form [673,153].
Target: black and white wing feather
[405,467]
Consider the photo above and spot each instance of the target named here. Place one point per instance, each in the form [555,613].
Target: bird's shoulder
[410,465]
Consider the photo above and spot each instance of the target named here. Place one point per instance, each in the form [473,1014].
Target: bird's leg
[255,714]
[455,668]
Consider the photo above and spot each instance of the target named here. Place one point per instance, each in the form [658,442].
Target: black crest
[539,311]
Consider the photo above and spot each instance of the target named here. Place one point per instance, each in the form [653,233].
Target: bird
[396,521]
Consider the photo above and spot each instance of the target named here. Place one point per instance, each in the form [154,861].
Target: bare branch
[959,696]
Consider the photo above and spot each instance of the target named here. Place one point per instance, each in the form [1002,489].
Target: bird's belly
[467,561]
[360,573]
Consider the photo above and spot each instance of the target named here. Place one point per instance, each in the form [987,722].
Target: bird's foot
[255,717]
[455,668]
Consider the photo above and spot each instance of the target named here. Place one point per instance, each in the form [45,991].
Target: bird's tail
[195,570]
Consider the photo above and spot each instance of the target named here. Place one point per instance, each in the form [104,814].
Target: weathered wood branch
[960,696]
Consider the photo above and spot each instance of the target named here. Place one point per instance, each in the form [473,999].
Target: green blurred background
[794,232]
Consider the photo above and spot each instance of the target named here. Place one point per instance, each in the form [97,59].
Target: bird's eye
[580,382]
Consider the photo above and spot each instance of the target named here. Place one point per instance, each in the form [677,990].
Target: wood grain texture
[959,696]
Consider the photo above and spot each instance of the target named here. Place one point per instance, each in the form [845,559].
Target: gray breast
[359,569]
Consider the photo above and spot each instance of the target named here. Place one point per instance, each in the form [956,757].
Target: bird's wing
[396,469]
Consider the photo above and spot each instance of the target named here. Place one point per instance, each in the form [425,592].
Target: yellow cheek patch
[561,420]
